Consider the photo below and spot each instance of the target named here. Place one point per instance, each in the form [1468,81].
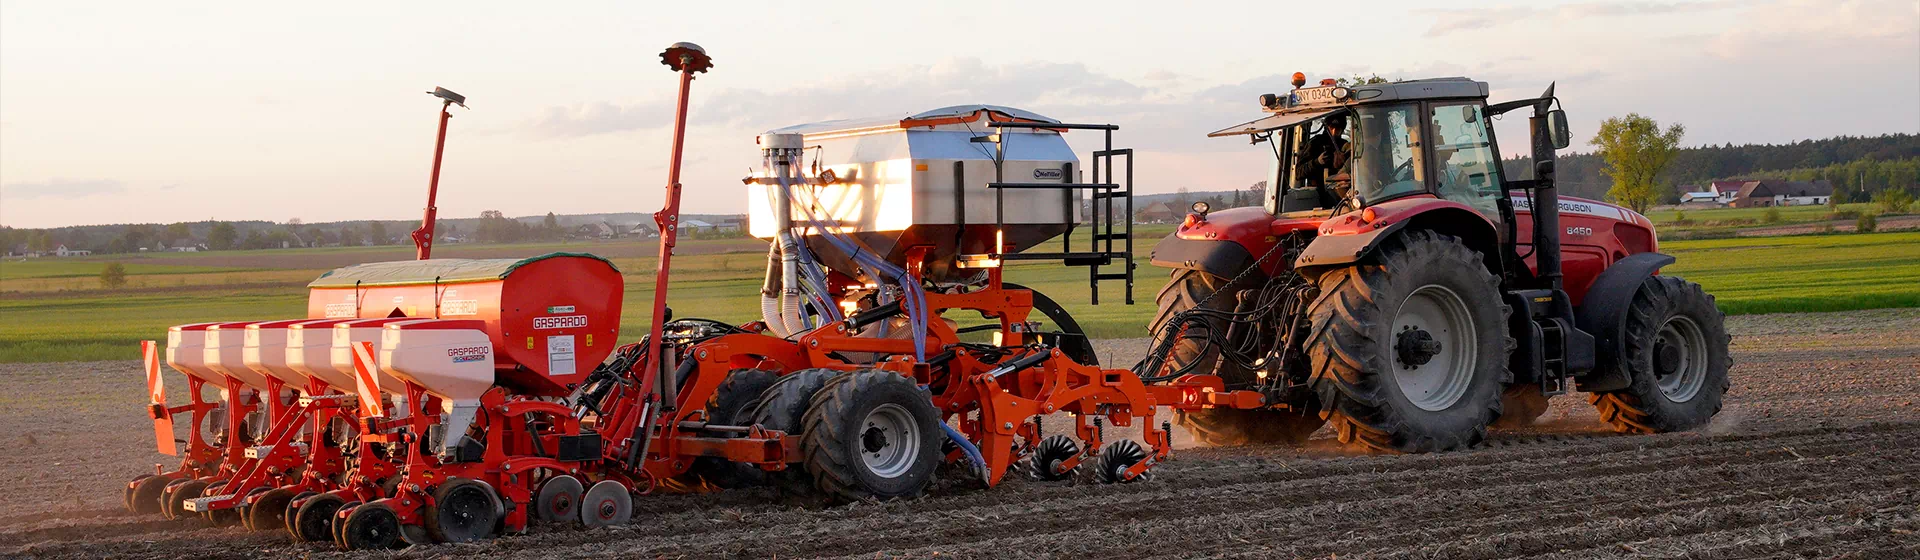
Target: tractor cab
[1337,148]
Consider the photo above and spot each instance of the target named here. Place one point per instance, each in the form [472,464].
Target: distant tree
[314,237]
[222,236]
[1866,223]
[349,237]
[1359,81]
[1893,201]
[113,276]
[40,240]
[254,240]
[176,232]
[1636,150]
[377,233]
[138,236]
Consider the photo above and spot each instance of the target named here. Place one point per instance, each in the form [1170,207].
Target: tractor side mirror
[1557,128]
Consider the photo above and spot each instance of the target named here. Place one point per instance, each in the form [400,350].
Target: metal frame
[1100,249]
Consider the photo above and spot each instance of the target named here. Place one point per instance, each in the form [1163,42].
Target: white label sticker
[567,322]
[453,307]
[560,355]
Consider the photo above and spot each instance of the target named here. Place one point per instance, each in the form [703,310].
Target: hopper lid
[431,271]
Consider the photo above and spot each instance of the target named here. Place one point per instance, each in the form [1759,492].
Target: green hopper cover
[431,271]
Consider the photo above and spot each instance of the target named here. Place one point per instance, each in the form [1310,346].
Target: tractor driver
[1323,160]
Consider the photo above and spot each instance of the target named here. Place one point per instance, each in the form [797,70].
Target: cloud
[1451,21]
[63,188]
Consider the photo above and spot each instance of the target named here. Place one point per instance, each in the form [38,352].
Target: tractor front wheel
[1410,350]
[1676,358]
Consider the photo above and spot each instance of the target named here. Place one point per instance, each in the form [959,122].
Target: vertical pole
[668,220]
[423,237]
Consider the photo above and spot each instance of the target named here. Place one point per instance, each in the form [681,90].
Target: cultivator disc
[559,500]
[606,503]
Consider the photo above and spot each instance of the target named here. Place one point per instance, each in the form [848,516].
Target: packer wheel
[371,526]
[313,520]
[177,496]
[464,510]
[269,510]
[145,497]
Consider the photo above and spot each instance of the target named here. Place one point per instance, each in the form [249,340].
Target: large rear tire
[783,407]
[1676,360]
[872,435]
[732,405]
[1409,351]
[1221,426]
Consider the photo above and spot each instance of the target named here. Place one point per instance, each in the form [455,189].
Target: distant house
[1761,194]
[693,226]
[1156,213]
[63,251]
[643,229]
[731,223]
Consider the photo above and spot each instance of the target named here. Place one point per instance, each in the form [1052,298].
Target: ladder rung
[1106,236]
[1113,276]
[1114,152]
[1112,194]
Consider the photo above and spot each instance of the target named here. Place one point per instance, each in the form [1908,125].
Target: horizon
[325,120]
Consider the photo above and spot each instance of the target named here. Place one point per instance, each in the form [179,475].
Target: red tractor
[1400,286]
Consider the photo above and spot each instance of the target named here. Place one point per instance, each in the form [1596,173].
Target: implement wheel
[1114,461]
[371,526]
[1043,465]
[1676,358]
[558,500]
[463,511]
[292,513]
[178,495]
[1220,426]
[145,496]
[269,510]
[872,435]
[1411,349]
[313,521]
[606,503]
[732,405]
[783,407]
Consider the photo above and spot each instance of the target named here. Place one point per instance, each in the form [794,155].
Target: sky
[158,112]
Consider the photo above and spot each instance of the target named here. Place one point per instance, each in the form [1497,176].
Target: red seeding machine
[1385,288]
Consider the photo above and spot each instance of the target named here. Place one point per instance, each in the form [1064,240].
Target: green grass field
[40,322]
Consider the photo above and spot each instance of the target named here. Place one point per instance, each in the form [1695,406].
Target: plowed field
[1817,455]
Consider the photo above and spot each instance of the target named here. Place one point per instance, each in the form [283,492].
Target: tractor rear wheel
[783,407]
[1191,289]
[872,435]
[1676,360]
[1410,350]
[731,405]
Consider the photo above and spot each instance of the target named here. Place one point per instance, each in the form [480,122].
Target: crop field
[55,309]
[1812,457]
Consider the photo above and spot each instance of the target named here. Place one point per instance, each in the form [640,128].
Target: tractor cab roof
[1305,104]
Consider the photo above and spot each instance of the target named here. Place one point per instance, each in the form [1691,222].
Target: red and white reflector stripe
[366,377]
[156,386]
[157,397]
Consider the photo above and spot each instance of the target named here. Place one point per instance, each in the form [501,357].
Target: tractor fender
[1218,257]
[1603,314]
[1350,238]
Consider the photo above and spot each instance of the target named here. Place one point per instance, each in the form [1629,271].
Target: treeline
[1873,163]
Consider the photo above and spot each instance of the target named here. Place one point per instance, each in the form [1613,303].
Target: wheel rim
[372,526]
[466,513]
[1680,359]
[889,441]
[1434,348]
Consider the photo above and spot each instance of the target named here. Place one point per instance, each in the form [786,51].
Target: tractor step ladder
[1111,224]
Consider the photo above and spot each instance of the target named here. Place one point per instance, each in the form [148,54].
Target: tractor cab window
[1386,158]
[1468,172]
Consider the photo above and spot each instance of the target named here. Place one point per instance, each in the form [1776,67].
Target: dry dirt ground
[1817,455]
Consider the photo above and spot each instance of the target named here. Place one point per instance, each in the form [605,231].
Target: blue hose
[965,446]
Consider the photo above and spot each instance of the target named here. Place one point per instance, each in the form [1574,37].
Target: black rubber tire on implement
[269,510]
[871,411]
[463,511]
[732,405]
[176,501]
[313,522]
[1352,347]
[1520,405]
[292,514]
[371,526]
[1665,309]
[146,495]
[1222,426]
[783,407]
